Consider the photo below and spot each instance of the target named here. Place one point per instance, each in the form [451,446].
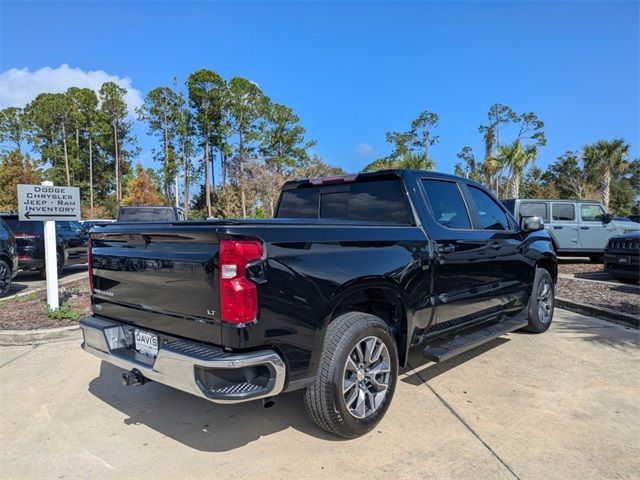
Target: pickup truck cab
[578,228]
[327,297]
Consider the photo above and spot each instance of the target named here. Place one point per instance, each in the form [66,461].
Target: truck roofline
[389,173]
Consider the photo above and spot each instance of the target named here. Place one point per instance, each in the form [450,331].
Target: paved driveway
[30,281]
[561,405]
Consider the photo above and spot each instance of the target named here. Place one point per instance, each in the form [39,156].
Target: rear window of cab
[372,201]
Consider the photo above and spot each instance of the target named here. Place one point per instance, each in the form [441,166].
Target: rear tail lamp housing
[238,294]
[26,236]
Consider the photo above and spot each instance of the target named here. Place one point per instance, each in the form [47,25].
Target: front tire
[541,303]
[356,378]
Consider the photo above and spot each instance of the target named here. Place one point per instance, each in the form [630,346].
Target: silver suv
[578,228]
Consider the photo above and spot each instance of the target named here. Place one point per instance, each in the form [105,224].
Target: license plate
[146,343]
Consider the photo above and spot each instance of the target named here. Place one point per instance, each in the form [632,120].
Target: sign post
[48,203]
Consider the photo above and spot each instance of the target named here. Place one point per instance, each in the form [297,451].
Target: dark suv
[71,243]
[8,258]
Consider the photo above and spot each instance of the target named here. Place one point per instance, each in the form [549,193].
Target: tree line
[600,170]
[210,125]
[84,138]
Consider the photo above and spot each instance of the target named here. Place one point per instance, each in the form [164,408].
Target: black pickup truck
[327,297]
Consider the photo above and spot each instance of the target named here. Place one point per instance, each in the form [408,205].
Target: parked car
[622,257]
[578,228]
[327,297]
[95,222]
[151,214]
[8,258]
[71,243]
[634,218]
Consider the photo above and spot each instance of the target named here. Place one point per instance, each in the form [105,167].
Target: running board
[440,350]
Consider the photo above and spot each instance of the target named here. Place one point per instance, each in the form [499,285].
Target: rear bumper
[202,370]
[624,264]
[30,263]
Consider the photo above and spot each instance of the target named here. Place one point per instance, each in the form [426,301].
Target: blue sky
[353,71]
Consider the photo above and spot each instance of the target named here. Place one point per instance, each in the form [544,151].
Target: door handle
[584,228]
[496,245]
[446,248]
[557,227]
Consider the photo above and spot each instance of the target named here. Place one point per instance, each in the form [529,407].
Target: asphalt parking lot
[565,404]
[29,281]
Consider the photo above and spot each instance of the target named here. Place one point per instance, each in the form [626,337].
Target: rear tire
[5,278]
[541,303]
[356,378]
[60,264]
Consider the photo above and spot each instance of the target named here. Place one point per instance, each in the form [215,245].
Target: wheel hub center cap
[360,374]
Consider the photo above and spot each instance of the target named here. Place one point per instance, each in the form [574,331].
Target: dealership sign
[44,202]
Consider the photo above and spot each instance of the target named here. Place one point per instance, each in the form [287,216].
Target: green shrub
[64,312]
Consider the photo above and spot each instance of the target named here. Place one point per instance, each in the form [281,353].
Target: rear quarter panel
[308,270]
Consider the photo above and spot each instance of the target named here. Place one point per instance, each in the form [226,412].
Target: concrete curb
[599,312]
[37,337]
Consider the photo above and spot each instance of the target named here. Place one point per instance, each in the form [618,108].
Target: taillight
[90,265]
[238,294]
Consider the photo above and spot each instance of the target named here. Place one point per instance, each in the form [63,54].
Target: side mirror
[531,224]
[608,217]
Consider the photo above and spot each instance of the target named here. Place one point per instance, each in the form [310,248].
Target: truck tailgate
[162,277]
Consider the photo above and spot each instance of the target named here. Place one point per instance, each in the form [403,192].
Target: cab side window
[446,203]
[592,213]
[62,227]
[77,228]
[564,212]
[491,216]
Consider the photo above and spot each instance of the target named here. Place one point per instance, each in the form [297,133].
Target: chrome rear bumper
[202,370]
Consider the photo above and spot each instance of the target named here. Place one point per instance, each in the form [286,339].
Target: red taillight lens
[238,294]
[90,265]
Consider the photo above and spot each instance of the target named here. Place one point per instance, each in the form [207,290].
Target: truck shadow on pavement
[198,423]
[421,375]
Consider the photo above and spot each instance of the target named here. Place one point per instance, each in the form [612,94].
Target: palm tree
[416,161]
[606,158]
[516,157]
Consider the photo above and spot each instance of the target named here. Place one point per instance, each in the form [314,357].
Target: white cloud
[364,149]
[19,86]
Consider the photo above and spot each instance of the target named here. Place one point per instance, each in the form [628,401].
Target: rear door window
[563,212]
[447,204]
[490,215]
[17,226]
[534,209]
